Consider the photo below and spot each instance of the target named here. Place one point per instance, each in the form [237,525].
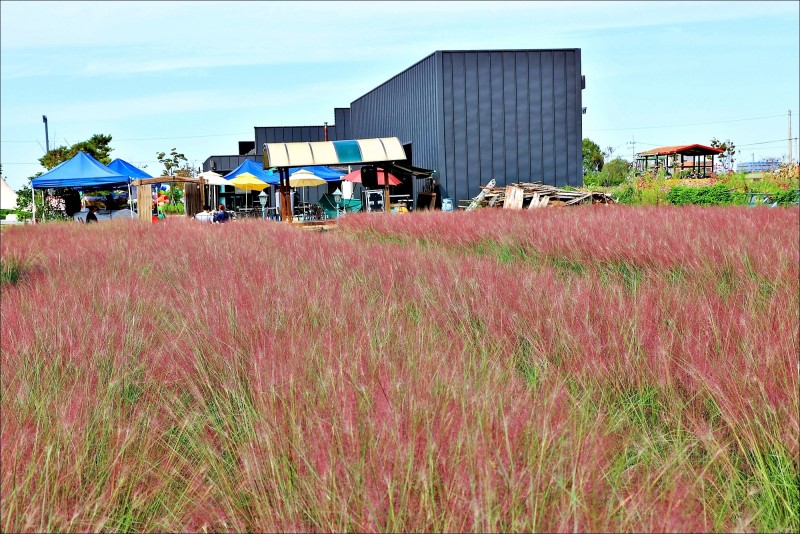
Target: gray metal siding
[459,129]
[510,139]
[548,119]
[560,117]
[291,134]
[535,117]
[225,164]
[510,115]
[342,126]
[473,160]
[523,119]
[403,107]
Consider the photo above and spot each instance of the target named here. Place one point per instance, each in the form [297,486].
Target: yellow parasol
[248,182]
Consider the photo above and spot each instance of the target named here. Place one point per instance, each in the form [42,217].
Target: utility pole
[33,191]
[632,143]
[47,136]
[790,137]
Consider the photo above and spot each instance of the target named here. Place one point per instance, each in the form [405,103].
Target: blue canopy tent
[81,171]
[320,171]
[255,169]
[123,167]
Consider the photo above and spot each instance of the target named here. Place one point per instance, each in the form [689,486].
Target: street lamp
[262,198]
[337,196]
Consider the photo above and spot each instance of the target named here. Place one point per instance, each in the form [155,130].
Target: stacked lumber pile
[529,195]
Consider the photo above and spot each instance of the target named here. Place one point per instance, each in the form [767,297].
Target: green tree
[98,146]
[592,157]
[175,164]
[615,172]
[728,150]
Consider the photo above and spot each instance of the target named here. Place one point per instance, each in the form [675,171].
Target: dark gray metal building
[511,115]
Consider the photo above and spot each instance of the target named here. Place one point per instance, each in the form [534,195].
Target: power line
[767,142]
[679,125]
[150,138]
[182,137]
[773,148]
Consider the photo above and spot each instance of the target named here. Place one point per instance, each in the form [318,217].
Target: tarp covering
[8,198]
[212,178]
[405,167]
[355,177]
[346,205]
[343,152]
[82,170]
[123,167]
[255,169]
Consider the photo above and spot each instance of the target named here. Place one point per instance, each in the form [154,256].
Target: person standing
[91,217]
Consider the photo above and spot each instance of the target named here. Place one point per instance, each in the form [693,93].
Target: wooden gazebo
[683,157]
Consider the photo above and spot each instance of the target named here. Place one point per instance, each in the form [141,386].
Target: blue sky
[199,76]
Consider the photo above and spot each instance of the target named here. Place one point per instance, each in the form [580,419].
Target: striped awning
[355,151]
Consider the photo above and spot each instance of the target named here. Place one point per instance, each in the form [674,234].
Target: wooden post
[387,200]
[286,204]
[144,202]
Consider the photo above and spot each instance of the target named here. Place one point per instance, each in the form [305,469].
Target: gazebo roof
[684,150]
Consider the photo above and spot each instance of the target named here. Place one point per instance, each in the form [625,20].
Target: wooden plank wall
[144,202]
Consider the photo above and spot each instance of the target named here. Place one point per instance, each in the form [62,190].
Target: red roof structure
[671,157]
[685,150]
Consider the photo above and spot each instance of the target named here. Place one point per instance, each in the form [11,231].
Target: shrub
[786,198]
[715,195]
[173,209]
[21,214]
[615,172]
[592,179]
[625,194]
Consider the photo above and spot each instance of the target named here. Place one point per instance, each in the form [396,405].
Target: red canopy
[355,177]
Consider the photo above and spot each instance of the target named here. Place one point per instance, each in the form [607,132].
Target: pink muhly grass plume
[578,369]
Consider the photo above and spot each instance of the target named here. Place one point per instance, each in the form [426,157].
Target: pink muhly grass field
[593,369]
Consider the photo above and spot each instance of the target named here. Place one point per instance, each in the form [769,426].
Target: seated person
[221,216]
[91,217]
[205,215]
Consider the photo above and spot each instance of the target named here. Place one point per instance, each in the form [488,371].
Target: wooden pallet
[530,195]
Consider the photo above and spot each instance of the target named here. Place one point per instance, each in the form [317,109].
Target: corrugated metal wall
[343,130]
[406,107]
[225,164]
[291,134]
[512,115]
